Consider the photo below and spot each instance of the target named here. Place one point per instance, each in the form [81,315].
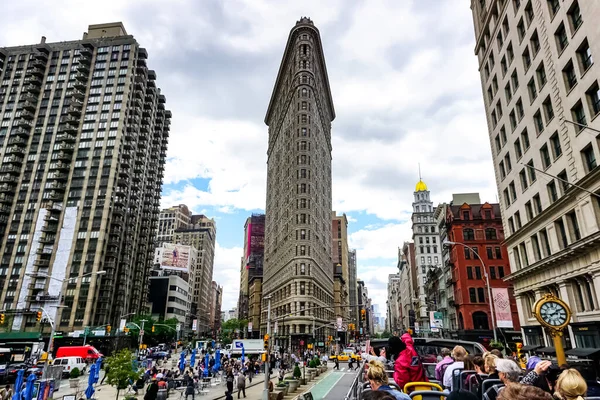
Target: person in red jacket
[408,367]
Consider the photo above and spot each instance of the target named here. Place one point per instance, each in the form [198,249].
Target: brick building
[479,227]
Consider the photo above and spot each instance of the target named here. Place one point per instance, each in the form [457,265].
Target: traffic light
[363,312]
[108,327]
[152,328]
[2,319]
[38,317]
[266,342]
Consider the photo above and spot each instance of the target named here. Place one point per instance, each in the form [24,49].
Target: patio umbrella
[29,387]
[193,358]
[98,367]
[217,365]
[18,384]
[89,392]
[182,361]
[206,360]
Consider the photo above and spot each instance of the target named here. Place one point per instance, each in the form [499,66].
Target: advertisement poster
[194,324]
[502,308]
[176,257]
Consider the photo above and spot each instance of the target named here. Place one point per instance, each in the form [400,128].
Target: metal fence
[355,390]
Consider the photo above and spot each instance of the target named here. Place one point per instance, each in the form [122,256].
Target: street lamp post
[265,395]
[487,283]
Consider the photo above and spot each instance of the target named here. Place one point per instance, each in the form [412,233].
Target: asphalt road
[336,385]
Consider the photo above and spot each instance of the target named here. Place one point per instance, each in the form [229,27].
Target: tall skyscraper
[84,133]
[339,249]
[298,272]
[428,249]
[352,295]
[542,99]
[201,234]
[251,273]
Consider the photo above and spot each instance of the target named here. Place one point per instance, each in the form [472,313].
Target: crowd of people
[489,376]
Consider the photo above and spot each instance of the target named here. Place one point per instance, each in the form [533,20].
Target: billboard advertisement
[194,324]
[502,308]
[176,257]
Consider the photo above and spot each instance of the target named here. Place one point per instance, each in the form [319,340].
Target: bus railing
[356,388]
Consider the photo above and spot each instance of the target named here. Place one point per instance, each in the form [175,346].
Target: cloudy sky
[405,86]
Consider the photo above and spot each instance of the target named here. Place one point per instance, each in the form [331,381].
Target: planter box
[303,381]
[293,385]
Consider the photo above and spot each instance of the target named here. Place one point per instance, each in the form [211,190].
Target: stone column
[565,291]
[595,282]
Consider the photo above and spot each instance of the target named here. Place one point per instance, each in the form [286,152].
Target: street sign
[417,330]
[141,332]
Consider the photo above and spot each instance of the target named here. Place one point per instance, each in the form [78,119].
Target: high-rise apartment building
[352,296]
[428,249]
[84,134]
[251,273]
[394,307]
[339,255]
[542,99]
[202,236]
[171,219]
[215,307]
[297,269]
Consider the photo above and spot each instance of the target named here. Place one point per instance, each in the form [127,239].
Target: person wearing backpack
[440,368]
[229,380]
[241,384]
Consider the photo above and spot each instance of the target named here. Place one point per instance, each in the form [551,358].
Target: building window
[556,148]
[553,6]
[545,243]
[492,272]
[477,272]
[466,215]
[552,192]
[468,234]
[513,191]
[529,13]
[562,40]
[526,59]
[511,225]
[593,97]
[573,226]
[469,272]
[561,233]
[472,295]
[541,75]
[480,319]
[531,171]
[548,110]
[521,30]
[490,234]
[564,181]
[518,150]
[575,17]
[467,253]
[539,122]
[532,90]
[579,116]
[529,211]
[569,76]
[584,54]
[537,253]
[589,158]
[545,156]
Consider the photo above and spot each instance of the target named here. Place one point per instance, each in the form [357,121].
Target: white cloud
[226,272]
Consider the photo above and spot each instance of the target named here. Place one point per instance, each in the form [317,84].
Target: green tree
[229,327]
[164,331]
[121,370]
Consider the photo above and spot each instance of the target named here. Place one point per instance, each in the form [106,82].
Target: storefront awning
[531,347]
[20,336]
[583,352]
[546,350]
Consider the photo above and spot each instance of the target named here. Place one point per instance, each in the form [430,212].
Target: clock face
[553,313]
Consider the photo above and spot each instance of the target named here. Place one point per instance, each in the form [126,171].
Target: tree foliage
[164,331]
[229,327]
[121,370]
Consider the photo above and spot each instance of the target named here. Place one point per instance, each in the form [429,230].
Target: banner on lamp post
[194,325]
[275,328]
[502,308]
[249,327]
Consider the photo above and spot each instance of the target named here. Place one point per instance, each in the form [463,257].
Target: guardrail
[355,389]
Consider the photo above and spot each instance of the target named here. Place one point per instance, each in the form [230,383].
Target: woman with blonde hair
[570,385]
[378,380]
[490,366]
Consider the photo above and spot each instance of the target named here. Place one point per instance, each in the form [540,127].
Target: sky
[405,86]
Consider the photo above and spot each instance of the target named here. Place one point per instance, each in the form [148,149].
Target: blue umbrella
[98,367]
[243,354]
[18,384]
[182,361]
[29,387]
[206,361]
[193,358]
[89,392]
[217,365]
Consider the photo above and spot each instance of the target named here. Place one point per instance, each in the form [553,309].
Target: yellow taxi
[346,355]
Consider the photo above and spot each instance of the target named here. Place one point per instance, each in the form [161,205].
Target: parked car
[13,369]
[87,352]
[37,370]
[68,363]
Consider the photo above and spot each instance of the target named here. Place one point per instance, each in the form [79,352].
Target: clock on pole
[555,315]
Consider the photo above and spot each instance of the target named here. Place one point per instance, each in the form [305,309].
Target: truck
[250,346]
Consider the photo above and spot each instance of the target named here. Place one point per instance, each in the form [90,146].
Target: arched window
[490,234]
[468,234]
[461,321]
[480,320]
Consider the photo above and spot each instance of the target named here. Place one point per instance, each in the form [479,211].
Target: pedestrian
[337,363]
[229,380]
[190,388]
[241,384]
[151,390]
[106,371]
[350,364]
[6,393]
[228,395]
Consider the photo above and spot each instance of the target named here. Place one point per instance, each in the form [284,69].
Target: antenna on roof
[419,171]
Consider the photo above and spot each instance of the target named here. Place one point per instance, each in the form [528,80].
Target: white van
[68,363]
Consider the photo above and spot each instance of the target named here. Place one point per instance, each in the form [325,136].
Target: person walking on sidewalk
[229,380]
[241,384]
[337,363]
[106,371]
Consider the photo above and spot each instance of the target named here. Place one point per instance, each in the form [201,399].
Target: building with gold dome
[428,250]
